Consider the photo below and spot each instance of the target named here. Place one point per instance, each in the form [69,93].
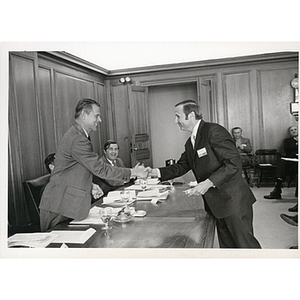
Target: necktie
[193,139]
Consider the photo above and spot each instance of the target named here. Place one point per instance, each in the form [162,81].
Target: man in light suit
[110,157]
[243,145]
[211,154]
[68,194]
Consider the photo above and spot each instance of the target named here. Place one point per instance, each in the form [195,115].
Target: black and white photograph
[181,155]
[149,150]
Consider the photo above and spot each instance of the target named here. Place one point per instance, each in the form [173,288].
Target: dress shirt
[194,133]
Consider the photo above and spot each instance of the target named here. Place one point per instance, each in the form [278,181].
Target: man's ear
[191,115]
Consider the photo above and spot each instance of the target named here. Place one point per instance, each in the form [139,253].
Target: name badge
[202,152]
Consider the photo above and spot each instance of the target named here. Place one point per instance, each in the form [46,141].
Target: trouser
[236,231]
[285,168]
[49,219]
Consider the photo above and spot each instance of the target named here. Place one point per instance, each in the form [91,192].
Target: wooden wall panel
[238,102]
[46,107]
[27,114]
[98,142]
[121,134]
[275,95]
[68,91]
[43,94]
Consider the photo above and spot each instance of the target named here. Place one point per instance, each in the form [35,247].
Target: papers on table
[137,187]
[43,239]
[72,236]
[265,165]
[152,193]
[192,183]
[94,216]
[31,240]
[150,181]
[115,196]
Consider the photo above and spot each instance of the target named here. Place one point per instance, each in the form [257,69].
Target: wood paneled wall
[43,94]
[253,93]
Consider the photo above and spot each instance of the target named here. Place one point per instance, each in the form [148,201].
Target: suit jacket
[109,185]
[69,191]
[291,147]
[248,147]
[215,157]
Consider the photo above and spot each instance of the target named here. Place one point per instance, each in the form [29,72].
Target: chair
[266,164]
[32,189]
[247,165]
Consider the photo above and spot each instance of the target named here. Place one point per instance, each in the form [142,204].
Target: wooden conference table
[177,222]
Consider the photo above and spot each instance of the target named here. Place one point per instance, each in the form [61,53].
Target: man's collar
[195,129]
[78,125]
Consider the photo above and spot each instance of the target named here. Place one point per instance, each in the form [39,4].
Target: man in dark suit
[68,194]
[211,154]
[110,157]
[285,167]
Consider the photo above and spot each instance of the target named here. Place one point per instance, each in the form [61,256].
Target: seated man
[286,167]
[111,152]
[49,163]
[244,147]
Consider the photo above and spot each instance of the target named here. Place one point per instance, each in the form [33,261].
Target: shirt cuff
[158,173]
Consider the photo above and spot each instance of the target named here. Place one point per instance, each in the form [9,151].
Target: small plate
[123,218]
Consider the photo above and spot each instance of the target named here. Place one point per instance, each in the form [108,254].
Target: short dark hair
[86,105]
[108,143]
[190,106]
[234,128]
[49,160]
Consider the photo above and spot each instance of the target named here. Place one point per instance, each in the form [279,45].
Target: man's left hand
[200,189]
[97,191]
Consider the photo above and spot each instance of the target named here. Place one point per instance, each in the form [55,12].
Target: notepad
[72,236]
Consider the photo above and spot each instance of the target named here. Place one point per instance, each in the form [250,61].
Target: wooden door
[139,125]
[207,101]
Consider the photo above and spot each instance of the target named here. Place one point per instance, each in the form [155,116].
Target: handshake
[140,171]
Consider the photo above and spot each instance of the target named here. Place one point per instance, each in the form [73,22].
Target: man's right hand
[152,172]
[139,171]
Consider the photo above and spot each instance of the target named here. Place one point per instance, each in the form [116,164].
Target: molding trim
[251,59]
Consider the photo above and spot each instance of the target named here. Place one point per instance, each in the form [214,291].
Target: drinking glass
[125,196]
[106,215]
[143,183]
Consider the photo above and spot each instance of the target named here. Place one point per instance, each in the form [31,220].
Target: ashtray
[123,218]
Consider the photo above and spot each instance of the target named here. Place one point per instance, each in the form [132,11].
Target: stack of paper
[31,240]
[72,236]
[153,193]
